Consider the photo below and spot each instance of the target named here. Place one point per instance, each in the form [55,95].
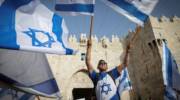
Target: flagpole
[91,26]
[38,97]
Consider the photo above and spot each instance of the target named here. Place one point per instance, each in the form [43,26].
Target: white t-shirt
[104,82]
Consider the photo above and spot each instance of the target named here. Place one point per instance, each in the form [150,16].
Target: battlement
[163,19]
[83,39]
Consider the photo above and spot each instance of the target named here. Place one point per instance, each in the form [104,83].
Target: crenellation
[83,39]
[154,21]
[173,20]
[72,38]
[176,19]
[115,39]
[95,39]
[104,39]
[164,19]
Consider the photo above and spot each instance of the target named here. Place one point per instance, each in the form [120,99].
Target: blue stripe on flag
[169,94]
[7,23]
[57,22]
[115,97]
[14,94]
[8,80]
[115,73]
[168,66]
[26,97]
[124,82]
[16,3]
[49,86]
[130,9]
[170,97]
[3,92]
[69,51]
[89,8]
[123,77]
[127,84]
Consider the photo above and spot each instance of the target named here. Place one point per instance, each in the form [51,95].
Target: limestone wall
[145,67]
[146,56]
[169,29]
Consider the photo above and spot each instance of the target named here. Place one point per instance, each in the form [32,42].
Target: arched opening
[84,93]
[81,86]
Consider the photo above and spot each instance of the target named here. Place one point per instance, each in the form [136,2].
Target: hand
[89,43]
[129,46]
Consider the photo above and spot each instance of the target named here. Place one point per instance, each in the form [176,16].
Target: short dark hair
[101,61]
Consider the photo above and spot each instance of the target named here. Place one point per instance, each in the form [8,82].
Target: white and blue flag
[29,25]
[28,72]
[75,7]
[124,82]
[9,94]
[110,85]
[136,10]
[171,74]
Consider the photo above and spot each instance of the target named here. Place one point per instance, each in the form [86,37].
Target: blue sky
[108,22]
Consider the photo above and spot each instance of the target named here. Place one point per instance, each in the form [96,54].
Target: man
[104,82]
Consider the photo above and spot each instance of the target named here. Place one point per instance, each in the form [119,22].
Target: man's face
[102,66]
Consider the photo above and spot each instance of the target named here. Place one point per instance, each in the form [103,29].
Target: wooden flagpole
[38,97]
[91,26]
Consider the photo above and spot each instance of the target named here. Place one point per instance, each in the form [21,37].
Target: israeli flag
[29,25]
[124,82]
[136,10]
[170,71]
[75,7]
[9,94]
[28,72]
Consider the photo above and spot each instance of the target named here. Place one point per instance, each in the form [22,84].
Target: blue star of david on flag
[37,42]
[105,88]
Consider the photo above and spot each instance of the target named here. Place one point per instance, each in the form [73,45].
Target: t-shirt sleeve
[114,73]
[92,75]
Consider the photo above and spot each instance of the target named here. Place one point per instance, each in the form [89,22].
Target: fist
[89,43]
[129,46]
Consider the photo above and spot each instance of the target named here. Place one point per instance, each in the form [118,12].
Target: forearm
[88,59]
[125,61]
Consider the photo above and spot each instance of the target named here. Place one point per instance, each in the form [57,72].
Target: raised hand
[89,43]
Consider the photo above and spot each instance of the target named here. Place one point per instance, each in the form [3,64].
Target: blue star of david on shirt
[35,41]
[105,88]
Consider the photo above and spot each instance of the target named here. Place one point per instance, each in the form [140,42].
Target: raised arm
[125,60]
[129,46]
[88,55]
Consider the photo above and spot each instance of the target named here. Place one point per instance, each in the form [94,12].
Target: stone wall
[145,67]
[146,56]
[169,29]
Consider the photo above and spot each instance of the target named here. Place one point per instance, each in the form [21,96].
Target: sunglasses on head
[103,63]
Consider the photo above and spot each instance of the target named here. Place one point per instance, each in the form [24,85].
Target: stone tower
[145,61]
